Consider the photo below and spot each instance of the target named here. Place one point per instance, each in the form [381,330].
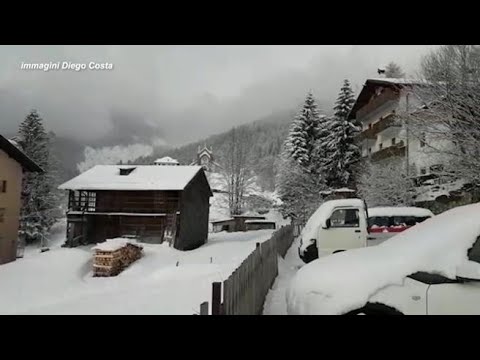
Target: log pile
[113,256]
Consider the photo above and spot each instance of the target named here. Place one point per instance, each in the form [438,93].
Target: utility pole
[407,138]
[407,170]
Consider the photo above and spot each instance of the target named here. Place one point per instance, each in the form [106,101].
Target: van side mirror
[328,224]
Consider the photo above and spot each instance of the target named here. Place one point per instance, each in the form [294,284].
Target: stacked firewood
[112,258]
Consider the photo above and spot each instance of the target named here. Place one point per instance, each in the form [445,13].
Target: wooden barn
[149,202]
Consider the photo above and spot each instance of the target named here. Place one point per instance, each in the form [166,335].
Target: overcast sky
[186,92]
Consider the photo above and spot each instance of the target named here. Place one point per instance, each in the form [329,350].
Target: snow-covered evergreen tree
[345,100]
[394,71]
[342,153]
[301,141]
[39,195]
[300,176]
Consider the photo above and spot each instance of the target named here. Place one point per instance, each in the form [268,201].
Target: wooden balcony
[395,150]
[384,123]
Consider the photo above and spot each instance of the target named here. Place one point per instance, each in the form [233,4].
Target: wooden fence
[245,290]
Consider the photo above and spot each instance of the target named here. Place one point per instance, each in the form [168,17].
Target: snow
[60,281]
[275,302]
[432,192]
[320,216]
[114,244]
[144,177]
[399,211]
[166,160]
[345,281]
[399,81]
[258,221]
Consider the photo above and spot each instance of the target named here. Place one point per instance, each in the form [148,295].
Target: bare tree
[386,184]
[237,170]
[448,122]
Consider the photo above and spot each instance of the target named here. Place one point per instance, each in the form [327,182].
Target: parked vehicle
[431,269]
[344,224]
[385,222]
[335,226]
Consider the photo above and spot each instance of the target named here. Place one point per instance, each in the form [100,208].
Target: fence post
[216,298]
[204,308]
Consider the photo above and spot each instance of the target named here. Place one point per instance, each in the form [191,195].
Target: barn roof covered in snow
[11,149]
[133,177]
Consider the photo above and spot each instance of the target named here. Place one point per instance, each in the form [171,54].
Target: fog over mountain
[178,94]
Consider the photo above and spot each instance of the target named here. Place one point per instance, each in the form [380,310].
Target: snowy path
[275,303]
[163,281]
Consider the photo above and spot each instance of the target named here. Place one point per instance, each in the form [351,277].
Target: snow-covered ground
[163,281]
[276,303]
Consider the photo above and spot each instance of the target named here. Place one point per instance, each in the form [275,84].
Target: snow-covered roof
[259,222]
[143,177]
[395,81]
[320,216]
[399,211]
[166,160]
[346,281]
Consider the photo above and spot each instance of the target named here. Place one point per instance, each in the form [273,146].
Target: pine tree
[301,140]
[394,71]
[39,195]
[341,153]
[345,101]
[300,177]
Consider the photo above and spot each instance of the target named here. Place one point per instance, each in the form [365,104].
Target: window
[2,215]
[423,171]
[126,171]
[369,150]
[345,218]
[380,146]
[3,186]
[393,141]
[422,140]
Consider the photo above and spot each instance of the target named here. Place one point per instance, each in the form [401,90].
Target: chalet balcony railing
[384,123]
[394,150]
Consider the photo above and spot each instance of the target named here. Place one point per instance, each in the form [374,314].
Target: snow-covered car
[431,268]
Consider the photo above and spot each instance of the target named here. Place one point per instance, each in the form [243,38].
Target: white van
[336,225]
[344,224]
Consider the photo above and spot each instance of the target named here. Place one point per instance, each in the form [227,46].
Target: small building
[149,202]
[206,159]
[235,223]
[13,163]
[260,225]
[166,161]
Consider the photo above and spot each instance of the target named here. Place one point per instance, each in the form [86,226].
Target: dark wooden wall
[137,201]
[195,207]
